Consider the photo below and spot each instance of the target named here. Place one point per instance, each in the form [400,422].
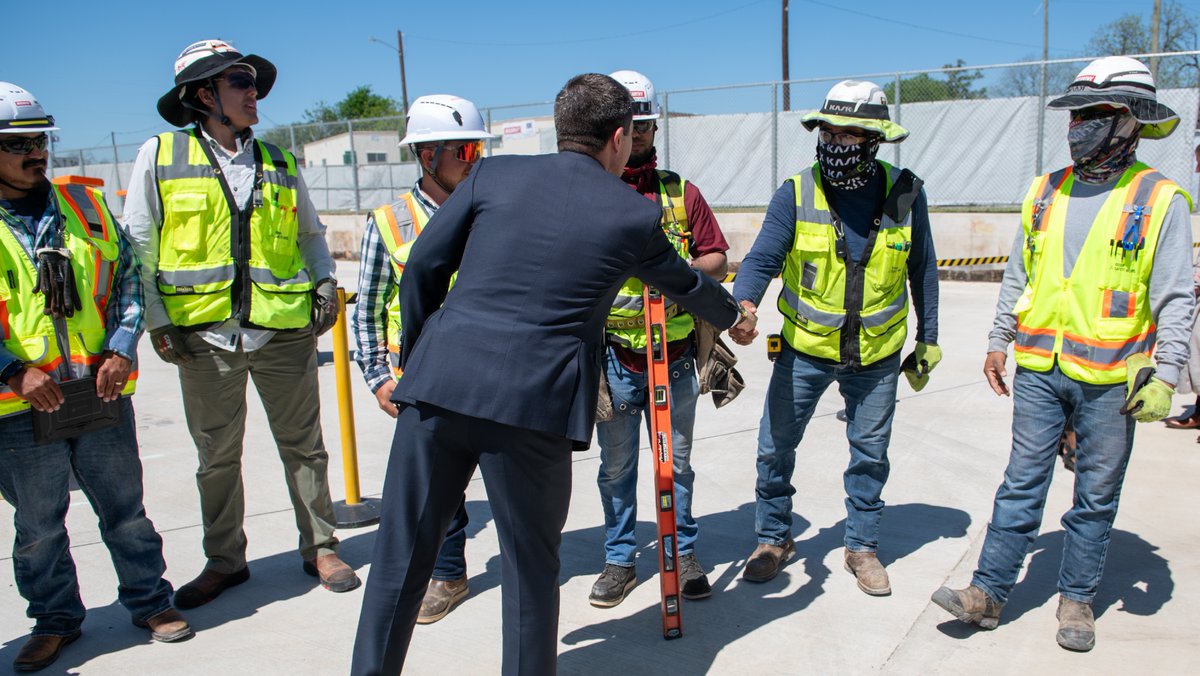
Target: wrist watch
[743,313]
[14,367]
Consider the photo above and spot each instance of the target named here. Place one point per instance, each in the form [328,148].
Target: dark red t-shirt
[706,238]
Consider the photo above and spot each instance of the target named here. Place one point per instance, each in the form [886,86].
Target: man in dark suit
[502,371]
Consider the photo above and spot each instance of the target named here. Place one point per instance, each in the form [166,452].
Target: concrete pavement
[949,449]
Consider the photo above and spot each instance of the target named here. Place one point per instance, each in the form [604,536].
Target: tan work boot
[871,575]
[767,559]
[1076,625]
[333,573]
[168,626]
[971,605]
[440,598]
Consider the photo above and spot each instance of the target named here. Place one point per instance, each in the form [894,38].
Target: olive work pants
[284,371]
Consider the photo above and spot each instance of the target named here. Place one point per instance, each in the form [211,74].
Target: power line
[573,41]
[918,26]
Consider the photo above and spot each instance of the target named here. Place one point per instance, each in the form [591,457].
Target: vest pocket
[814,255]
[185,212]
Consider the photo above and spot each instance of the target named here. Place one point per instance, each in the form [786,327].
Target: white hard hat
[645,104]
[20,112]
[1123,82]
[857,103]
[443,117]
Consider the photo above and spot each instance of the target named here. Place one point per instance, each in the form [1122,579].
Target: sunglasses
[240,80]
[23,145]
[468,151]
[1086,114]
[642,126]
[842,139]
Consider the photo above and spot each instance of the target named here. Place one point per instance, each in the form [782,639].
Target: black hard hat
[203,60]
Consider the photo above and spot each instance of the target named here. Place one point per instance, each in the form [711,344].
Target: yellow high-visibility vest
[201,255]
[813,299]
[90,234]
[1092,321]
[398,234]
[626,323]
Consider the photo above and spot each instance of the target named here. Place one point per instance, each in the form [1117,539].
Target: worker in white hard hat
[446,135]
[851,237]
[241,284]
[692,228]
[72,314]
[1098,280]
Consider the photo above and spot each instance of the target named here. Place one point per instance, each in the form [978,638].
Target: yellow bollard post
[354,511]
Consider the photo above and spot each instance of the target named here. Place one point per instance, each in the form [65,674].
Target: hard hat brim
[1158,120]
[891,132]
[171,108]
[27,126]
[418,137]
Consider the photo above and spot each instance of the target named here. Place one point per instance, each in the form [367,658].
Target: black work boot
[693,583]
[612,586]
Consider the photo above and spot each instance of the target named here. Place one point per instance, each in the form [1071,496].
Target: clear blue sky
[100,67]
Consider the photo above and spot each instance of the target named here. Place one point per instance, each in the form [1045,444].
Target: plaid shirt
[125,317]
[376,285]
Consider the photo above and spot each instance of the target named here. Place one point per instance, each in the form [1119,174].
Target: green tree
[359,103]
[958,84]
[1177,32]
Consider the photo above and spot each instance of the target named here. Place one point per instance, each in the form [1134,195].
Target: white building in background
[372,147]
[527,136]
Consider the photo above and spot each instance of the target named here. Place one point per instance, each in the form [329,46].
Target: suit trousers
[284,371]
[527,475]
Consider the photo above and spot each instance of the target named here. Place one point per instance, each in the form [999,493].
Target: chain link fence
[978,134]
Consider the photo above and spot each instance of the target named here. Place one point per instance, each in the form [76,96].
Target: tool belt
[638,322]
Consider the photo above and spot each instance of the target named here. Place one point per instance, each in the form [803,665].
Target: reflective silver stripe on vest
[180,167]
[215,275]
[884,315]
[93,220]
[809,312]
[1106,356]
[280,178]
[1119,306]
[265,276]
[279,175]
[1040,341]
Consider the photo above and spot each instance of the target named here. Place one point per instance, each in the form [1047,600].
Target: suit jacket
[542,245]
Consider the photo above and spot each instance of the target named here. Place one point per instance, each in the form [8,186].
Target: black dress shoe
[40,652]
[208,586]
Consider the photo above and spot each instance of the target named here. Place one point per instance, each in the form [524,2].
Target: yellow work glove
[917,365]
[1149,398]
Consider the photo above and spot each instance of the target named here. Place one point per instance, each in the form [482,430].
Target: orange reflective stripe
[1045,204]
[91,195]
[391,222]
[1130,200]
[414,211]
[5,326]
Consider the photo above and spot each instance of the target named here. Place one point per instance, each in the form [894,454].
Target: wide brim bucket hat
[203,60]
[861,104]
[1123,82]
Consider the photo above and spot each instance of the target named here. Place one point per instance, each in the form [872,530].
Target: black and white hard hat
[203,60]
[1123,82]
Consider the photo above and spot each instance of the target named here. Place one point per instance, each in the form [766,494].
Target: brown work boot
[166,627]
[208,586]
[871,575]
[767,559]
[440,598]
[40,652]
[969,605]
[334,574]
[1076,625]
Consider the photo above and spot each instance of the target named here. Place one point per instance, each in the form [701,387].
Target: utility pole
[403,77]
[1041,133]
[1155,20]
[787,92]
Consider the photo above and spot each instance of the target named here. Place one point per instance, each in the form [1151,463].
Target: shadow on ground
[1134,575]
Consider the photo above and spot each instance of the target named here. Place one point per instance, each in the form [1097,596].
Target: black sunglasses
[643,126]
[23,145]
[240,80]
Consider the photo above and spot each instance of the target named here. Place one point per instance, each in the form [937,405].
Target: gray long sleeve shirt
[1171,296]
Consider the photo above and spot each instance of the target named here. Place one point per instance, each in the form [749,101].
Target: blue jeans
[1041,404]
[619,440]
[797,384]
[33,479]
[451,561]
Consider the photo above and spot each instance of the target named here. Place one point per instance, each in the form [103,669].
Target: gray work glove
[168,344]
[325,306]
